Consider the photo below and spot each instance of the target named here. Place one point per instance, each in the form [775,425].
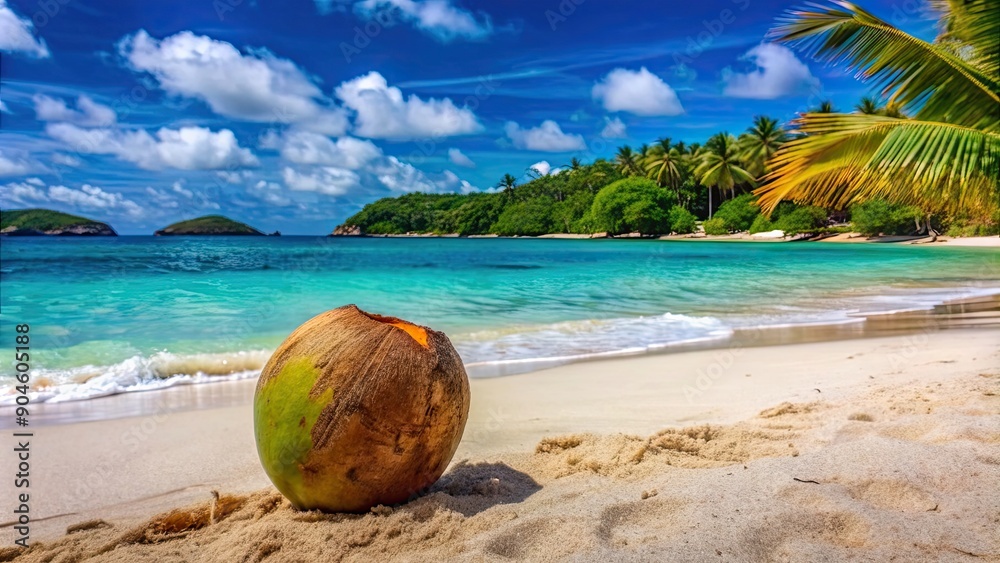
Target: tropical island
[209,225]
[45,222]
[872,439]
[921,156]
[677,188]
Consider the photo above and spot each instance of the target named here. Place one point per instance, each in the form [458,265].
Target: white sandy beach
[862,449]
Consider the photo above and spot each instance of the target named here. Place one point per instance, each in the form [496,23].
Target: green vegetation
[934,145]
[804,219]
[209,225]
[45,220]
[715,226]
[681,220]
[761,224]
[923,155]
[878,217]
[963,226]
[630,205]
[738,214]
[39,219]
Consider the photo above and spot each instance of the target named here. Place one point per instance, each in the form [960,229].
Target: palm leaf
[926,79]
[847,158]
[972,23]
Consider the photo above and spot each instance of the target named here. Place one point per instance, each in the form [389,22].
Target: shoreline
[890,380]
[234,390]
[851,237]
[980,311]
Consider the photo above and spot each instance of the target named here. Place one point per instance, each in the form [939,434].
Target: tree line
[659,188]
[928,159]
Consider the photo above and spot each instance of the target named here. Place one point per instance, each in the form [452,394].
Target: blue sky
[292,115]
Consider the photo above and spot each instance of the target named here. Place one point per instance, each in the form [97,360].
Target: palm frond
[847,158]
[975,24]
[925,79]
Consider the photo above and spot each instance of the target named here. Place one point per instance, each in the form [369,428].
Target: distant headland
[45,222]
[209,225]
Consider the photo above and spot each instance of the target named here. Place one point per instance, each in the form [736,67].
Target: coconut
[355,410]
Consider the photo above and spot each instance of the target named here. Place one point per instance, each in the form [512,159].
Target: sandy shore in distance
[854,449]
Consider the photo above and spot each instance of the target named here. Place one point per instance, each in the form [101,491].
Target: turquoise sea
[111,315]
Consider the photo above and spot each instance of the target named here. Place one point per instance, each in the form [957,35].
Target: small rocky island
[209,225]
[347,231]
[45,222]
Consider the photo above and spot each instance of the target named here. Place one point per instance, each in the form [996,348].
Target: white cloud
[302,147]
[66,160]
[543,168]
[10,166]
[328,180]
[458,158]
[383,113]
[269,140]
[636,91]
[87,197]
[385,173]
[547,137]
[613,129]
[178,196]
[269,192]
[162,199]
[178,188]
[87,112]
[234,176]
[187,148]
[3,107]
[778,73]
[16,34]
[255,86]
[438,18]
[403,177]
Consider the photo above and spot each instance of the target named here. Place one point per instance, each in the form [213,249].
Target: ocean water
[113,315]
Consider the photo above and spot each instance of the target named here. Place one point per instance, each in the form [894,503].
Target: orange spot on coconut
[415,332]
[418,334]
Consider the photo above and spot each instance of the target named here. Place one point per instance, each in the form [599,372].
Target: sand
[871,449]
[940,240]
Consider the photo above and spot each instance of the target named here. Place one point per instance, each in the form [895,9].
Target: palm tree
[643,152]
[893,110]
[507,184]
[575,164]
[826,106]
[720,166]
[626,161]
[760,142]
[946,157]
[664,164]
[868,106]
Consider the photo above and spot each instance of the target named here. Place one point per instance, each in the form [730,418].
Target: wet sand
[861,448]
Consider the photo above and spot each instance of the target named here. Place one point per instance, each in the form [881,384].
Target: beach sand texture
[866,450]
